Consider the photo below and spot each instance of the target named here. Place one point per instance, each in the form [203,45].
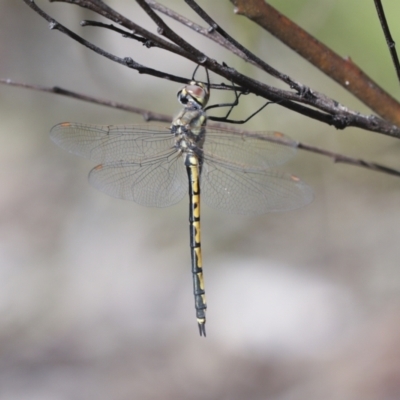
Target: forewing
[251,149]
[158,182]
[108,143]
[251,191]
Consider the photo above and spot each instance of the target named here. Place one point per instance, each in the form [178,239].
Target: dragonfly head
[195,94]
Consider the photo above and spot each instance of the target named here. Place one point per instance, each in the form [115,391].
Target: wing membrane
[251,191]
[255,149]
[108,143]
[141,163]
[155,183]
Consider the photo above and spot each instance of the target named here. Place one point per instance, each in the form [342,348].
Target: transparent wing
[250,149]
[253,191]
[140,163]
[157,182]
[107,143]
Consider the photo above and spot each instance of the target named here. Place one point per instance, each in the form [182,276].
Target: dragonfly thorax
[189,124]
[189,119]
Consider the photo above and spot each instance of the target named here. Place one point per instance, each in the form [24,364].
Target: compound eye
[182,96]
[198,93]
[193,94]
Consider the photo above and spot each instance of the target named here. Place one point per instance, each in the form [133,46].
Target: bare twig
[151,116]
[111,27]
[269,92]
[208,33]
[316,99]
[331,112]
[336,157]
[263,65]
[165,30]
[343,71]
[127,61]
[389,40]
[107,12]
[147,115]
[320,101]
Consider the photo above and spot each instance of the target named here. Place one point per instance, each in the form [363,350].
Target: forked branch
[302,99]
[307,102]
[340,69]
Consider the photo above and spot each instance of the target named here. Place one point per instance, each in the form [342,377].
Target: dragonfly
[156,166]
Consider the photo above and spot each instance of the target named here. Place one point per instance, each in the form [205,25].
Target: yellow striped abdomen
[193,169]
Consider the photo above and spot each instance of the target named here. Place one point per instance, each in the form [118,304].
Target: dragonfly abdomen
[193,170]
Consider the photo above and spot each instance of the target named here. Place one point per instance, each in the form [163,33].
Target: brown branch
[251,56]
[308,96]
[251,85]
[322,102]
[151,116]
[318,106]
[343,71]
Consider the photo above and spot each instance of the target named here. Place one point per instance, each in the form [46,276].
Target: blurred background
[96,293]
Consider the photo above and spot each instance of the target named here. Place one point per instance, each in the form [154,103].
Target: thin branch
[254,86]
[55,25]
[211,34]
[317,99]
[332,113]
[322,102]
[147,115]
[127,61]
[165,30]
[389,40]
[251,56]
[343,71]
[258,88]
[336,157]
[151,116]
[208,33]
[125,34]
[107,12]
